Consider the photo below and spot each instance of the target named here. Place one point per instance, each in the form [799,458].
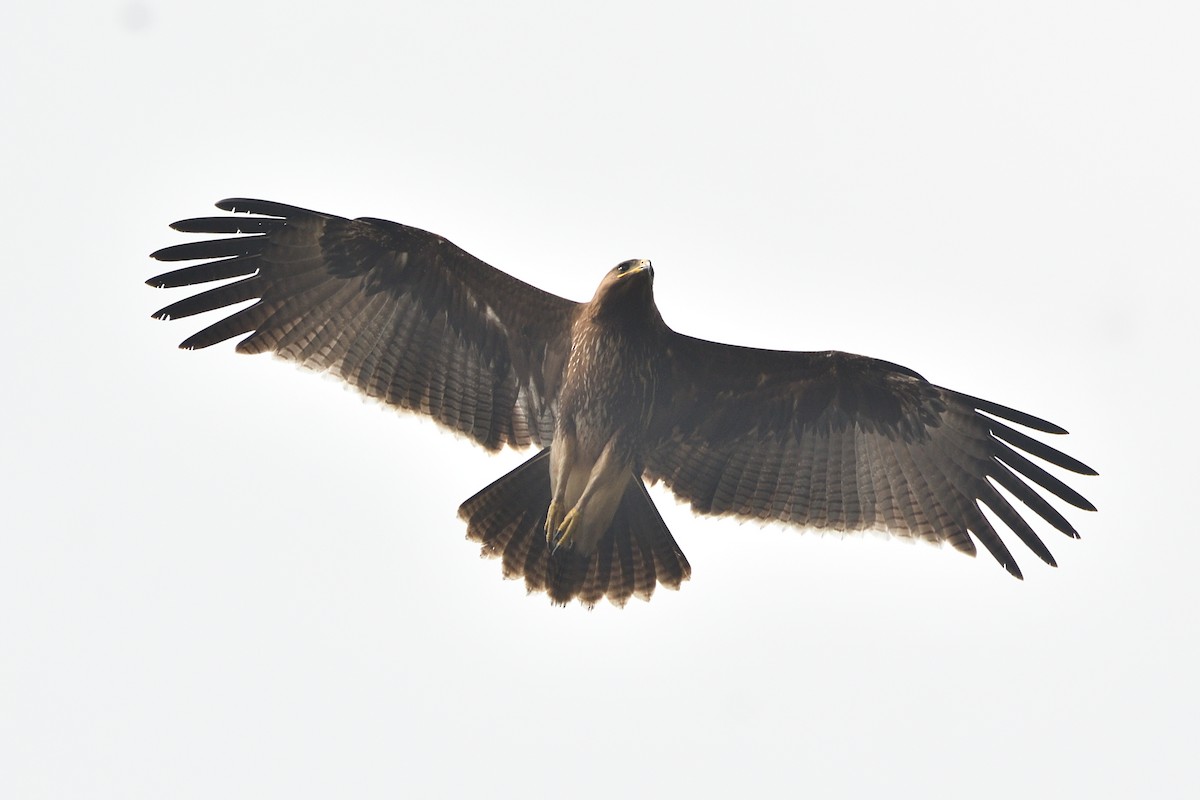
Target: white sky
[222,577]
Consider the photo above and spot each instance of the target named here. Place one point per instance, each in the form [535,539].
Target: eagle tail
[638,552]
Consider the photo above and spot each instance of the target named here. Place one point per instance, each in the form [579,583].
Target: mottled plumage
[613,397]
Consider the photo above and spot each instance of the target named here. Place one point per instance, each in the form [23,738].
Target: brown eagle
[613,397]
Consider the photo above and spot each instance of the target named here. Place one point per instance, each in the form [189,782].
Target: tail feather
[643,570]
[599,576]
[536,562]
[508,519]
[503,539]
[666,563]
[566,573]
[620,584]
[522,547]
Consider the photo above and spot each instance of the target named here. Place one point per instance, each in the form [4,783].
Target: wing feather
[1042,478]
[839,441]
[220,297]
[399,313]
[206,273]
[1038,504]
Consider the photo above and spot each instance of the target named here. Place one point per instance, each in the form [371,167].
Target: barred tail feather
[508,519]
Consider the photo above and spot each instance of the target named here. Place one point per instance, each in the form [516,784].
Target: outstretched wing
[844,442]
[399,313]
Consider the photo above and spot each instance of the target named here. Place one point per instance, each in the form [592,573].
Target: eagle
[613,399]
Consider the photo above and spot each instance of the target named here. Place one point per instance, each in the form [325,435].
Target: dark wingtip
[197,341]
[238,204]
[249,205]
[1040,449]
[1012,415]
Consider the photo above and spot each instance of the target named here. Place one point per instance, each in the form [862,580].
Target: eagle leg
[592,512]
[554,520]
[562,458]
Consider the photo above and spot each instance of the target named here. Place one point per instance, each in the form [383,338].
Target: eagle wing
[839,441]
[399,313]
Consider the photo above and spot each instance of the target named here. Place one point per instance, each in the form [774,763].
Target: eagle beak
[644,266]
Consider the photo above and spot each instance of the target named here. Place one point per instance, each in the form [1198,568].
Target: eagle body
[606,405]
[612,398]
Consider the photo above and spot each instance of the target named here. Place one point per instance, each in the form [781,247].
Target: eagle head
[626,287]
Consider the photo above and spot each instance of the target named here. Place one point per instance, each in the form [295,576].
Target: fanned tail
[508,518]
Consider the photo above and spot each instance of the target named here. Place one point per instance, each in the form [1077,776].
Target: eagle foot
[554,519]
[563,533]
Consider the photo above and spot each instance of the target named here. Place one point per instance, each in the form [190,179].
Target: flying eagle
[613,398]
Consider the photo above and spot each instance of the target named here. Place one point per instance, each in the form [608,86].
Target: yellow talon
[554,518]
[564,531]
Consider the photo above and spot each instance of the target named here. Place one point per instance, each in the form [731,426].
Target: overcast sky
[223,577]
